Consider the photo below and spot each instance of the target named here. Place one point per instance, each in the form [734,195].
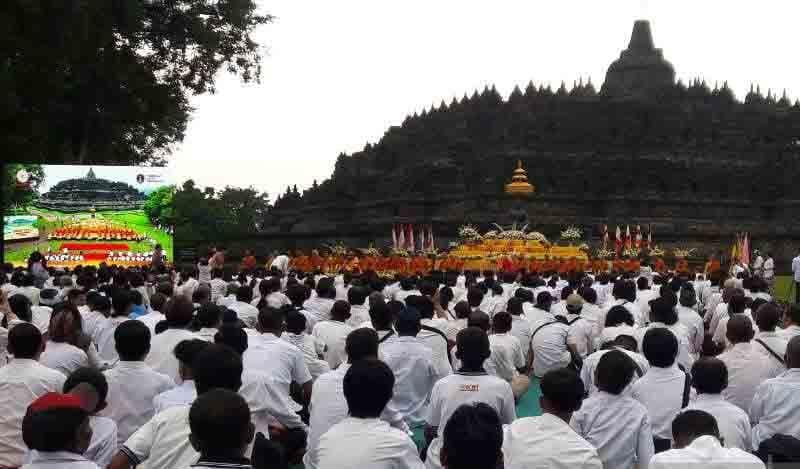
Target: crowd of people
[216,366]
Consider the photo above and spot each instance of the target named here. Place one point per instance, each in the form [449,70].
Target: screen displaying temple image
[86,215]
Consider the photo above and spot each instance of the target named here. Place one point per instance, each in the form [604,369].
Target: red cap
[54,400]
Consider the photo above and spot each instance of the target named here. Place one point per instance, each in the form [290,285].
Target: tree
[109,81]
[15,194]
[158,206]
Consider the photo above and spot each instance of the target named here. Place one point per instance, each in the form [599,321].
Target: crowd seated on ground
[215,365]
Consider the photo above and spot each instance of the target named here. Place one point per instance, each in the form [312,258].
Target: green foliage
[16,198]
[217,215]
[158,206]
[109,81]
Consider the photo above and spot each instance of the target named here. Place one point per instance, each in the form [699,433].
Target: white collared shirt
[151,319]
[207,333]
[549,346]
[218,288]
[796,268]
[660,391]
[102,447]
[22,381]
[268,401]
[277,359]
[681,333]
[63,357]
[359,314]
[776,343]
[454,327]
[720,336]
[590,364]
[246,312]
[437,344]
[733,423]
[775,407]
[790,332]
[163,441]
[546,442]
[747,369]
[131,389]
[312,349]
[366,443]
[320,308]
[103,337]
[521,329]
[535,316]
[184,394]
[618,426]
[580,333]
[414,374]
[609,334]
[695,329]
[706,452]
[60,460]
[506,354]
[162,351]
[334,335]
[329,407]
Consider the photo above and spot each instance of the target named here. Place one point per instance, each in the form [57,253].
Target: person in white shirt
[312,348]
[208,319]
[281,262]
[60,354]
[698,444]
[411,361]
[539,313]
[320,305]
[579,338]
[737,305]
[644,295]
[747,366]
[154,315]
[624,293]
[549,349]
[664,316]
[22,381]
[333,332]
[363,439]
[520,327]
[408,287]
[709,379]
[775,409]
[664,390]
[163,442]
[432,333]
[359,312]
[548,440]
[219,287]
[222,431]
[472,438]
[591,311]
[769,272]
[509,361]
[161,357]
[691,319]
[188,283]
[791,322]
[57,430]
[185,393]
[767,317]
[462,312]
[617,321]
[616,425]
[121,304]
[623,343]
[132,384]
[328,405]
[270,294]
[796,276]
[470,384]
[245,311]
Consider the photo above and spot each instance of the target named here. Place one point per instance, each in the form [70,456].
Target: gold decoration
[519,184]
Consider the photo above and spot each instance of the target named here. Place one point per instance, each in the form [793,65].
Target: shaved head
[740,329]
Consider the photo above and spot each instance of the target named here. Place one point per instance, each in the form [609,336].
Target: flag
[604,236]
[394,236]
[618,241]
[410,238]
[735,249]
[401,237]
[650,236]
[421,238]
[627,236]
[638,236]
[431,244]
[745,249]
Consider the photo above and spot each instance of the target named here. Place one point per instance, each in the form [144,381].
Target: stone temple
[91,193]
[689,160]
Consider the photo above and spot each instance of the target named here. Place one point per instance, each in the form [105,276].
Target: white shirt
[706,452]
[643,298]
[590,364]
[747,369]
[218,288]
[312,349]
[102,447]
[769,268]
[546,442]
[521,329]
[329,407]
[609,334]
[60,460]
[580,333]
[184,394]
[796,268]
[681,333]
[151,319]
[506,354]
[281,262]
[695,329]
[277,359]
[334,335]
[660,391]
[22,381]
[40,317]
[790,332]
[131,389]
[437,344]
[163,441]
[359,314]
[618,427]
[414,375]
[535,316]
[776,407]
[104,337]
[63,357]
[776,343]
[454,327]
[320,308]
[733,422]
[450,392]
[549,346]
[366,443]
[246,312]
[162,351]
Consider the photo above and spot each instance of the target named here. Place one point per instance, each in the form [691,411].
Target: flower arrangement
[338,249]
[584,247]
[491,235]
[682,253]
[536,236]
[512,234]
[571,233]
[469,233]
[656,251]
[400,252]
[371,251]
[603,253]
[632,251]
[431,252]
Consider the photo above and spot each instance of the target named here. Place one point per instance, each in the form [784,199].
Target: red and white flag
[638,237]
[627,237]
[401,237]
[421,238]
[618,241]
[394,236]
[410,237]
[431,244]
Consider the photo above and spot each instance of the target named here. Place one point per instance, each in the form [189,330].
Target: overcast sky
[336,75]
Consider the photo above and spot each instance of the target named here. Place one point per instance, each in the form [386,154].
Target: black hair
[709,375]
[663,310]
[120,302]
[360,344]
[380,315]
[340,310]
[618,315]
[767,317]
[462,310]
[91,376]
[368,388]
[514,306]
[271,319]
[295,322]
[614,372]
[217,366]
[99,303]
[473,437]
[244,294]
[21,306]
[132,340]
[232,336]
[187,350]
[52,430]
[472,347]
[209,315]
[660,347]
[219,420]
[357,295]
[474,297]
[564,389]
[24,340]
[501,322]
[691,424]
[588,294]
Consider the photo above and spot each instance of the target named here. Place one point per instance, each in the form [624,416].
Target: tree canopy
[209,214]
[109,81]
